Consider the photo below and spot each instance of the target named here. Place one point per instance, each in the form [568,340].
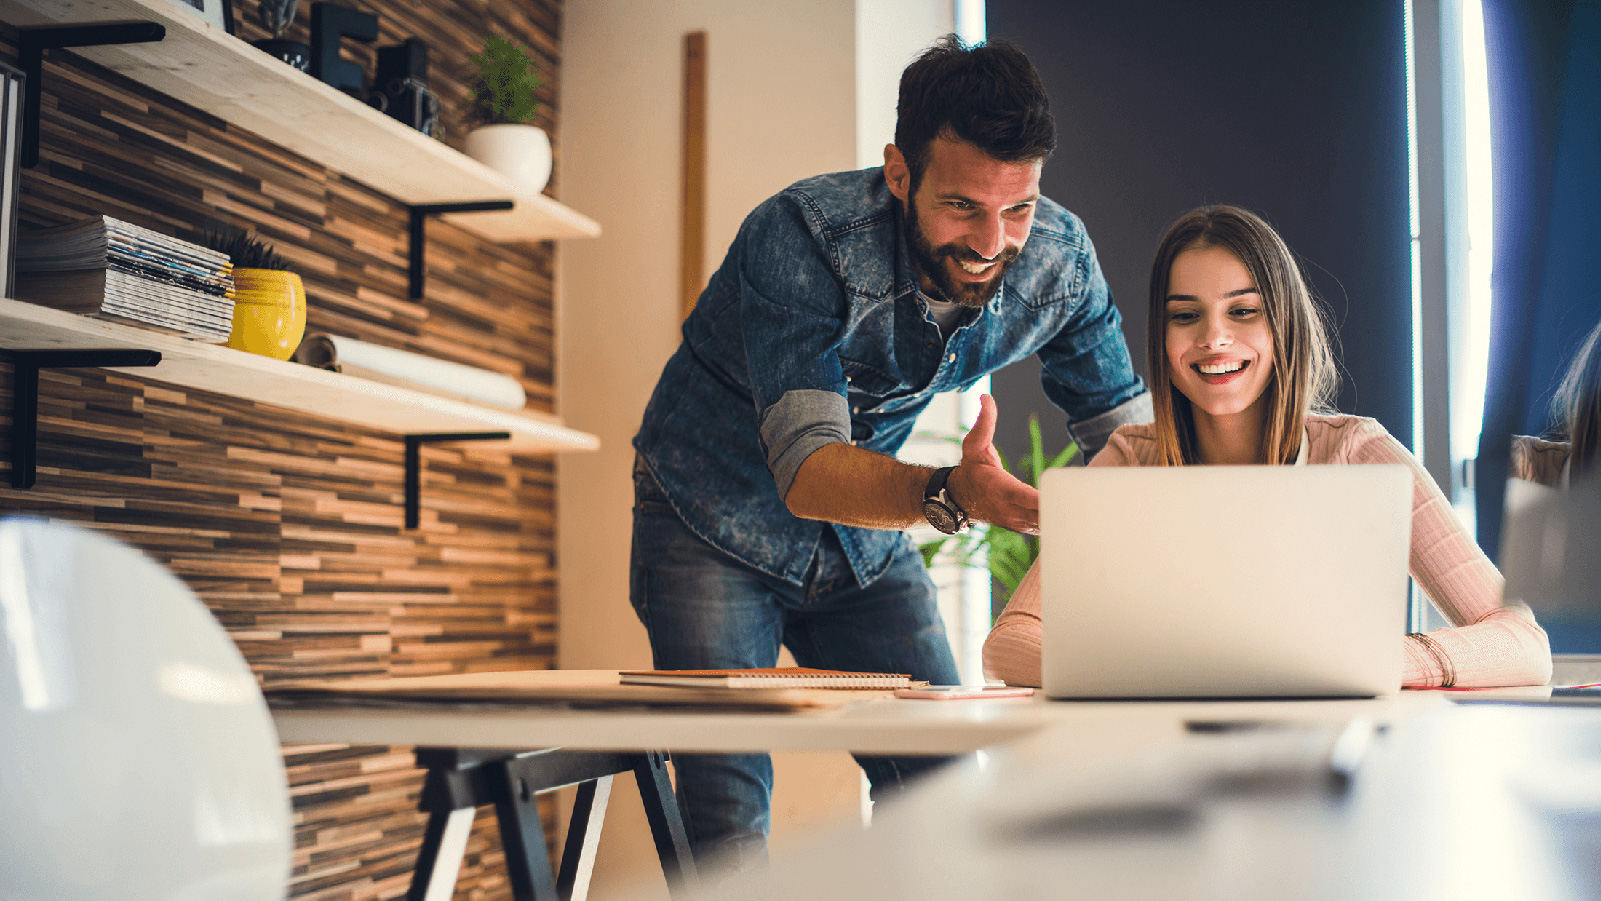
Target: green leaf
[1065,457]
[1036,450]
[1010,556]
[1010,577]
[930,549]
[504,90]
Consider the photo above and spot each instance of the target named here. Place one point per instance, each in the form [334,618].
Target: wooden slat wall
[289,526]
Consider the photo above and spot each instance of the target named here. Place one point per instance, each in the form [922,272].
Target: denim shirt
[813,331]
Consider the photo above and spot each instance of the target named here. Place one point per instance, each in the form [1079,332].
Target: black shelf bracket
[33,42]
[25,396]
[414,445]
[419,216]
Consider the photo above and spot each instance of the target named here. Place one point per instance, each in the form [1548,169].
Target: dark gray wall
[1295,110]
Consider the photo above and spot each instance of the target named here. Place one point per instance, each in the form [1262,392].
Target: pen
[1348,751]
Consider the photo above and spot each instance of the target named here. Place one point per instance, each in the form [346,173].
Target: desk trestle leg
[666,824]
[439,860]
[521,834]
[459,781]
[583,838]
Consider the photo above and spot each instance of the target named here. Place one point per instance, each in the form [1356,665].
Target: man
[768,510]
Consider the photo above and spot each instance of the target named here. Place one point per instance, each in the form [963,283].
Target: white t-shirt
[945,312]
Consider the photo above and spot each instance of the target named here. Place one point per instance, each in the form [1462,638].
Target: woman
[1241,372]
[1574,441]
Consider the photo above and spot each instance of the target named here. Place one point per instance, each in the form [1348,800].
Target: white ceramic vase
[519,152]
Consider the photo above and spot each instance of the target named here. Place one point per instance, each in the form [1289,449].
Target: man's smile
[976,268]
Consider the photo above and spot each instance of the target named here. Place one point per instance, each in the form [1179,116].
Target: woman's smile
[1221,371]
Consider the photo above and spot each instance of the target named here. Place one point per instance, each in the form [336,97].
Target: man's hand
[846,484]
[983,488]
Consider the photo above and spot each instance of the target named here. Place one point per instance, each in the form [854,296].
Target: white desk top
[1115,799]
[1450,803]
[1174,800]
[884,725]
[879,725]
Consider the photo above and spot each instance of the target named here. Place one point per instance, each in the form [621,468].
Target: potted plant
[1007,554]
[503,102]
[269,301]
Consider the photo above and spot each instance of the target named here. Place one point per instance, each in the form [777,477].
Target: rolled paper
[409,370]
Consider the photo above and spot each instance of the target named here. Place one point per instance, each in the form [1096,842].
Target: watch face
[940,517]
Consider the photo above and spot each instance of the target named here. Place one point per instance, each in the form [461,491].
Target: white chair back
[137,757]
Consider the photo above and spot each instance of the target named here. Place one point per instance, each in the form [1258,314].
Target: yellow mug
[269,312]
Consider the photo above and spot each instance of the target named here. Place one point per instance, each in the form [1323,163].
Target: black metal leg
[583,838]
[413,481]
[414,445]
[459,780]
[33,42]
[522,835]
[418,239]
[666,825]
[24,424]
[418,234]
[25,396]
[439,860]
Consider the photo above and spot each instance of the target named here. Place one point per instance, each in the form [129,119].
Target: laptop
[1551,557]
[1224,581]
[1551,550]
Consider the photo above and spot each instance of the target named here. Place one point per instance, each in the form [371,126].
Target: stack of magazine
[110,269]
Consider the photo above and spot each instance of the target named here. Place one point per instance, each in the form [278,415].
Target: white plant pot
[521,153]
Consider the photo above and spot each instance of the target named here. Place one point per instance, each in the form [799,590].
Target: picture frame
[217,12]
[11,99]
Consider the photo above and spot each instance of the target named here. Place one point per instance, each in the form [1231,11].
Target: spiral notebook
[775,677]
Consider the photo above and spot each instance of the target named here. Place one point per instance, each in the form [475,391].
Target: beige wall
[780,107]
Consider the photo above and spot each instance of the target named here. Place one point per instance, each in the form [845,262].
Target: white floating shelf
[207,68]
[223,370]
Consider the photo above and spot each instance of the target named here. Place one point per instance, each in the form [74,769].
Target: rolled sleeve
[792,314]
[1092,434]
[800,423]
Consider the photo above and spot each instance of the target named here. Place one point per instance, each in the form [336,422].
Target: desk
[1452,803]
[1051,734]
[476,755]
[881,726]
[877,726]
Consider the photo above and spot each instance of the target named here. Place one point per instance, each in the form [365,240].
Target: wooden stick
[692,278]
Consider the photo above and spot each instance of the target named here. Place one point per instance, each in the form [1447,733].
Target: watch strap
[936,494]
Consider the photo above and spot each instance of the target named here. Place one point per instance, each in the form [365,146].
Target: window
[1449,167]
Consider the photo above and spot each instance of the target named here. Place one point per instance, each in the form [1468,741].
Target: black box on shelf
[400,86]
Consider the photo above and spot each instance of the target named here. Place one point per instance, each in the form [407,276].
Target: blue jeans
[704,609]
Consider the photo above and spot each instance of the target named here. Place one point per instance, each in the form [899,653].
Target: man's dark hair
[987,95]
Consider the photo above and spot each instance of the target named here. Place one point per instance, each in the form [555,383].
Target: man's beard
[929,261]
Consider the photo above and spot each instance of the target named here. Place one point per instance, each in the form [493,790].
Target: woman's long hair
[1576,407]
[1303,377]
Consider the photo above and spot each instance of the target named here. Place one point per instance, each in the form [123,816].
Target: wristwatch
[939,508]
